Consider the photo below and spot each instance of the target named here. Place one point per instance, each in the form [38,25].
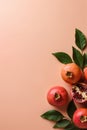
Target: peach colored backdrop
[30,30]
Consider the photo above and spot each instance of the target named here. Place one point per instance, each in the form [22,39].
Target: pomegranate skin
[85,73]
[80,112]
[59,91]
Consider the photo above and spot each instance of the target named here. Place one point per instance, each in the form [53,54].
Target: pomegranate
[79,93]
[80,118]
[85,73]
[71,73]
[57,96]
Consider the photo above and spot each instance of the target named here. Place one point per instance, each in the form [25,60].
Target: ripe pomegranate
[79,93]
[71,73]
[80,118]
[85,73]
[57,96]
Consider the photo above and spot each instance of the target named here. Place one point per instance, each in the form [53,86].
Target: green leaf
[80,39]
[63,57]
[52,115]
[85,59]
[62,124]
[71,127]
[71,109]
[77,57]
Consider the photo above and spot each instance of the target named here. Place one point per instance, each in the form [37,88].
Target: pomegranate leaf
[71,127]
[62,123]
[71,108]
[80,39]
[63,57]
[85,59]
[52,115]
[77,57]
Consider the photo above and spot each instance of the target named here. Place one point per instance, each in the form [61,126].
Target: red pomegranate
[80,118]
[85,73]
[57,96]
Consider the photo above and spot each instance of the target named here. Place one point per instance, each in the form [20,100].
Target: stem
[83,119]
[57,96]
[69,74]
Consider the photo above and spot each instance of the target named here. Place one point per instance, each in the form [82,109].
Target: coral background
[30,30]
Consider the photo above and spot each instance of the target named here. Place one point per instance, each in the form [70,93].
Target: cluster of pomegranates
[74,73]
[58,96]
